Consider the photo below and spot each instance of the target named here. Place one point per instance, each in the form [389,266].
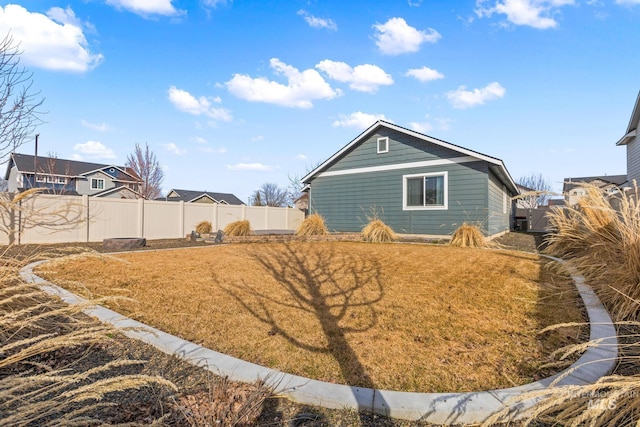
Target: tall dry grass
[238,228]
[204,227]
[601,237]
[313,225]
[468,236]
[377,231]
[35,331]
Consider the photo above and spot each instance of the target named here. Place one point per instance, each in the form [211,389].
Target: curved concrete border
[437,408]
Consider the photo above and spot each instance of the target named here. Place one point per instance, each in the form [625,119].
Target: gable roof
[190,196]
[570,183]
[632,128]
[497,166]
[61,167]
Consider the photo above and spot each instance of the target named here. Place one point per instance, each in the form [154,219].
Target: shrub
[204,227]
[238,228]
[468,236]
[377,231]
[313,225]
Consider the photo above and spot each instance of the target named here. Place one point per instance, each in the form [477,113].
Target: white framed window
[383,145]
[426,191]
[97,183]
[41,178]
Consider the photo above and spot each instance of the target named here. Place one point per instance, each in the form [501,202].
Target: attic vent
[383,145]
[112,170]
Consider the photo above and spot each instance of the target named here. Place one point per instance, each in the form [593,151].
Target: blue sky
[233,94]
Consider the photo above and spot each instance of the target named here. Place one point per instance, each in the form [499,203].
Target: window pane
[434,189]
[415,192]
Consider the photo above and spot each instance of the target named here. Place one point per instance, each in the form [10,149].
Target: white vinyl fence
[57,219]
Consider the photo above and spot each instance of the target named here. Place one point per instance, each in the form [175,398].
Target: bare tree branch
[19,104]
[145,164]
[537,193]
[270,194]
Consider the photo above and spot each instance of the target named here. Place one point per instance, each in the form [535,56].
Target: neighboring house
[631,140]
[573,188]
[415,183]
[302,202]
[70,177]
[189,196]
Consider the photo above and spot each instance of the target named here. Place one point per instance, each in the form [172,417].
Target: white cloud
[199,140]
[301,157]
[317,22]
[98,127]
[422,127]
[257,138]
[174,149]
[359,120]
[93,150]
[628,2]
[213,150]
[146,7]
[54,42]
[395,37]
[250,167]
[363,78]
[533,13]
[301,89]
[415,3]
[425,74]
[215,3]
[184,101]
[462,98]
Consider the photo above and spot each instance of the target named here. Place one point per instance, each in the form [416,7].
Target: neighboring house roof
[117,189]
[632,128]
[190,196]
[600,181]
[63,167]
[497,166]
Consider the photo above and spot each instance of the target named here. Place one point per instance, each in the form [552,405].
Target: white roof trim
[109,167]
[627,138]
[397,166]
[114,189]
[382,123]
[200,197]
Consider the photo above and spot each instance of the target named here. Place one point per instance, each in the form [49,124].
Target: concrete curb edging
[438,408]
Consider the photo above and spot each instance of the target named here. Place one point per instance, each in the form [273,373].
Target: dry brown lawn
[392,316]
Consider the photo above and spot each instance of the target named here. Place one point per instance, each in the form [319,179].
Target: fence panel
[162,220]
[52,219]
[57,219]
[110,218]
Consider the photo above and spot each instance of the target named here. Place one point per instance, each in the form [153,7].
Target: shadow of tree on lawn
[340,290]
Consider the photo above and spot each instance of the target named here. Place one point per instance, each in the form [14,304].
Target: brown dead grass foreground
[403,317]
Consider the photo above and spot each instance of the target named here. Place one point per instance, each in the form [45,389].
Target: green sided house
[415,183]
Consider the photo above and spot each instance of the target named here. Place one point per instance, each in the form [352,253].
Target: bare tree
[146,165]
[536,193]
[19,104]
[270,194]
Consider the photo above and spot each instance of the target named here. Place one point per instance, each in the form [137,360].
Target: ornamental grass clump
[313,225]
[238,228]
[468,236]
[600,235]
[204,227]
[377,231]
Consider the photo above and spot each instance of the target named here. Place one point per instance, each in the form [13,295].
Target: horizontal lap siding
[633,160]
[497,220]
[346,201]
[402,149]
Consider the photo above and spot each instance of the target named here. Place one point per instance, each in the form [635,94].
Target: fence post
[85,205]
[266,217]
[243,212]
[181,219]
[286,218]
[141,217]
[216,226]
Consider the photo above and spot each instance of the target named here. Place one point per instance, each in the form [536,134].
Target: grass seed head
[238,228]
[204,227]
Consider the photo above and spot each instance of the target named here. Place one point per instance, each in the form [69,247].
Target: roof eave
[630,136]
